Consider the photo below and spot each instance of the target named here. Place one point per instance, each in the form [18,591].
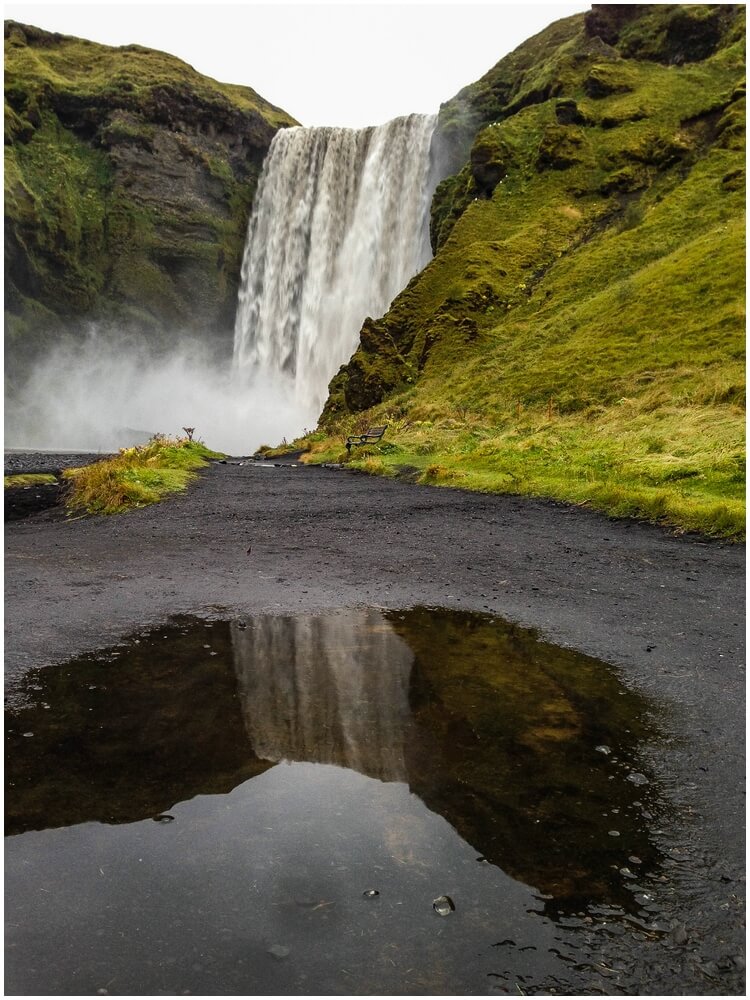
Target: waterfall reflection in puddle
[332,689]
[293,764]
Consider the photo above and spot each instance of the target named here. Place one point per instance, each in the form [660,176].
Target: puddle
[360,802]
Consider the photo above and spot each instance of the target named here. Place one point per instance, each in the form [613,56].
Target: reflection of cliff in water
[329,689]
[529,750]
[121,735]
[500,734]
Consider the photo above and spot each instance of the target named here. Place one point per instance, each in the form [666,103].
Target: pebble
[636,778]
[443,906]
[679,934]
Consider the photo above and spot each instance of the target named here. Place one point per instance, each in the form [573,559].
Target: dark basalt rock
[690,39]
[22,34]
[666,33]
[691,33]
[490,160]
[606,20]
[734,180]
[567,112]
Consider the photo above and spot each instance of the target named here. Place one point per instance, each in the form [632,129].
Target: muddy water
[273,805]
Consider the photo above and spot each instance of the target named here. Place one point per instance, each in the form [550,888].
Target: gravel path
[247,538]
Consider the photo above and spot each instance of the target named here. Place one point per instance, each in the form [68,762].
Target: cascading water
[339,226]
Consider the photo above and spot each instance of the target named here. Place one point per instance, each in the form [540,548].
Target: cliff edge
[128,184]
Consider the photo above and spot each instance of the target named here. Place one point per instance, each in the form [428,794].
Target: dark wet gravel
[667,611]
[24,501]
[20,462]
[21,502]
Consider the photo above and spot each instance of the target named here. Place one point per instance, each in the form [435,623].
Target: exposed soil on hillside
[257,537]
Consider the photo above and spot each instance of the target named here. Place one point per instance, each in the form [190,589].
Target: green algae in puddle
[292,764]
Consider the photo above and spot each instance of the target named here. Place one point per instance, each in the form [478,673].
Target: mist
[101,395]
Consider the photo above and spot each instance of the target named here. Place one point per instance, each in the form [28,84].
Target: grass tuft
[33,479]
[137,476]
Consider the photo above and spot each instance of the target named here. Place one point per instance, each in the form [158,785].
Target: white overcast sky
[351,64]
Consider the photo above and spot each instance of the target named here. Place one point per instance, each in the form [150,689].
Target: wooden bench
[370,435]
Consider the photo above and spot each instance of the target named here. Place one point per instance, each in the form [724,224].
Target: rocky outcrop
[128,184]
[667,33]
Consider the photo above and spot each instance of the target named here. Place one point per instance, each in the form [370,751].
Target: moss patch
[31,479]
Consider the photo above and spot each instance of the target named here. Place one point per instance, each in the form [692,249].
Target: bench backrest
[376,431]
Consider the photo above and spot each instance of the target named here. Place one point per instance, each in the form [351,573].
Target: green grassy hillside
[128,183]
[579,333]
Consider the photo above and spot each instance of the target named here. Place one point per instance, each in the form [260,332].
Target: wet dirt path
[667,611]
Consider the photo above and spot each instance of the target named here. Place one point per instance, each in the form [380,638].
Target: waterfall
[339,226]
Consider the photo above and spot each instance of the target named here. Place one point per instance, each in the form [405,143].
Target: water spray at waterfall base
[99,395]
[339,226]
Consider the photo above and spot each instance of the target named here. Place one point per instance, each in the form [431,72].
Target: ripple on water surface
[353,802]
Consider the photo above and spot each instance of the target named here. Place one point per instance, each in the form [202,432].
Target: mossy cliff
[128,183]
[581,325]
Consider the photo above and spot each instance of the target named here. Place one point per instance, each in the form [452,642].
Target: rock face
[128,183]
[629,119]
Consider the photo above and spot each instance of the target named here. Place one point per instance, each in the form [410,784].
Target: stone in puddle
[635,778]
[278,950]
[443,905]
